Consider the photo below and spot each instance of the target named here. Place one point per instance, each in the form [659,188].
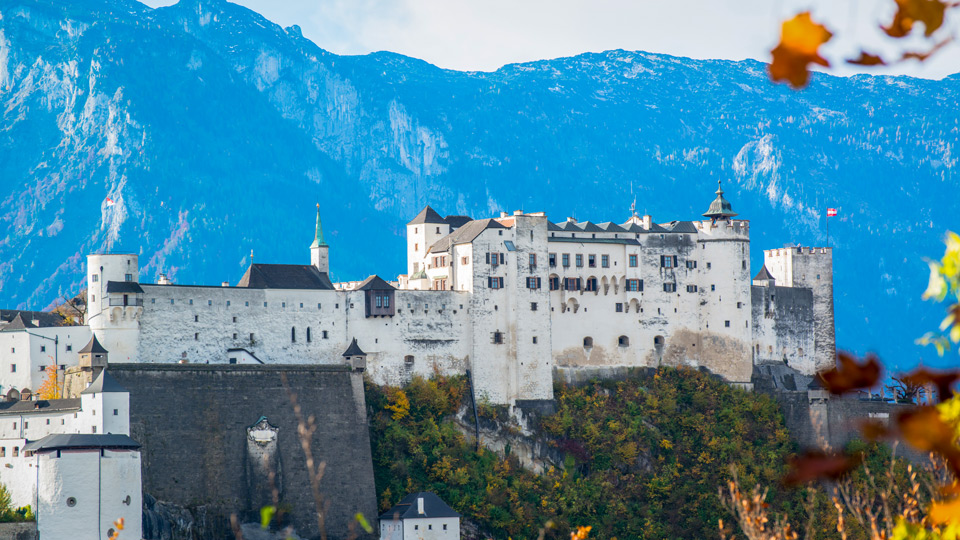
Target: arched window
[588,342]
[623,341]
[308,334]
[658,341]
[408,360]
[293,334]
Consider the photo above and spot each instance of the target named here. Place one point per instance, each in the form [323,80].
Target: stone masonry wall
[192,422]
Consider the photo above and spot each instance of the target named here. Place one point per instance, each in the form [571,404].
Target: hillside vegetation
[644,457]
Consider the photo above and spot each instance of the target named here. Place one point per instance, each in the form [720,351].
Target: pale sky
[486,34]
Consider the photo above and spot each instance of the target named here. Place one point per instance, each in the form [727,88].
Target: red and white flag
[110,202]
[831,212]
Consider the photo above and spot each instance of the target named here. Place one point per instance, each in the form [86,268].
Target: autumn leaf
[943,381]
[815,464]
[945,512]
[909,12]
[924,429]
[849,375]
[800,39]
[867,59]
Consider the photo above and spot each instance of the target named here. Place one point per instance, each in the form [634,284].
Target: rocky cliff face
[216,131]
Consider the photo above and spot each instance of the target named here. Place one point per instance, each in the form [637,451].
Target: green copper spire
[318,237]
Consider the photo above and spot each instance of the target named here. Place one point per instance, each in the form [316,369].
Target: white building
[515,299]
[420,516]
[29,343]
[73,462]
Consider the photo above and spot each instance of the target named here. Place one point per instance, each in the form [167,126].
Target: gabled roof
[609,226]
[375,283]
[284,276]
[433,507]
[586,226]
[104,384]
[77,440]
[93,346]
[680,227]
[763,275]
[45,318]
[123,287]
[465,234]
[18,324]
[427,215]
[456,222]
[568,226]
[353,350]
[40,406]
[551,226]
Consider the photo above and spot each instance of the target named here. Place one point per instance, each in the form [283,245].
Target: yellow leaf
[800,40]
[945,512]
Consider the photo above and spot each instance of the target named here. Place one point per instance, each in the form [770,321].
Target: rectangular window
[592,261]
[713,287]
[495,282]
[739,305]
[708,266]
[691,265]
[498,338]
[572,284]
[533,283]
[726,323]
[191,301]
[552,258]
[379,301]
[324,334]
[128,277]
[116,412]
[634,285]
[579,260]
[209,302]
[196,336]
[633,261]
[668,261]
[691,288]
[533,306]
[228,303]
[153,300]
[43,348]
[69,347]
[13,368]
[554,283]
[533,259]
[669,287]
[464,260]
[605,261]
[43,368]
[619,307]
[386,301]
[566,260]
[95,278]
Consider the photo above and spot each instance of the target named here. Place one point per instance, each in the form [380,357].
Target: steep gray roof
[763,275]
[41,406]
[123,287]
[464,234]
[680,227]
[284,276]
[77,440]
[105,383]
[427,215]
[45,318]
[433,507]
[18,324]
[353,349]
[609,226]
[375,283]
[636,228]
[456,222]
[93,346]
[551,226]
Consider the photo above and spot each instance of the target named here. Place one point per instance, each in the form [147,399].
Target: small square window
[533,306]
[153,300]
[116,412]
[43,348]
[264,304]
[69,347]
[191,301]
[726,323]
[171,301]
[619,307]
[228,303]
[301,305]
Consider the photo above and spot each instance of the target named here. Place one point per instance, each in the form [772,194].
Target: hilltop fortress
[515,299]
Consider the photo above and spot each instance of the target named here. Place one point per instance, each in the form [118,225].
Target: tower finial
[720,208]
[318,236]
[719,188]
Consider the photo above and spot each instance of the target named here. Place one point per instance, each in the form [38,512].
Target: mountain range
[215,133]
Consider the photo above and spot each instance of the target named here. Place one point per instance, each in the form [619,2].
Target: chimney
[518,212]
[503,214]
[571,220]
[163,280]
[647,222]
[225,284]
[420,505]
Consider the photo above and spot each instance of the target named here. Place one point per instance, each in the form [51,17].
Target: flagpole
[828,228]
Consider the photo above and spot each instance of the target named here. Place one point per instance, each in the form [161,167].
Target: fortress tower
[115,302]
[422,232]
[319,250]
[810,268]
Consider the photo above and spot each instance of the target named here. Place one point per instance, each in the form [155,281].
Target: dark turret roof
[18,324]
[85,440]
[353,350]
[427,215]
[456,222]
[104,384]
[433,507]
[285,276]
[375,283]
[720,208]
[93,346]
[763,275]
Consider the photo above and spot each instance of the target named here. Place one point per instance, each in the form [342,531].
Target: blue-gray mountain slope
[216,132]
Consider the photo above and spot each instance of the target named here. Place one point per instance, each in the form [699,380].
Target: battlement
[731,228]
[798,250]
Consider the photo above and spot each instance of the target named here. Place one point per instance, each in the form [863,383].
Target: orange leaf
[814,465]
[867,59]
[943,381]
[800,39]
[945,512]
[849,375]
[929,12]
[925,430]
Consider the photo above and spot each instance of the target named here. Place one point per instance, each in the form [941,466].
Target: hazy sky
[485,34]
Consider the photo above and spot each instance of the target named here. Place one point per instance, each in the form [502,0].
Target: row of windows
[245,304]
[293,335]
[96,277]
